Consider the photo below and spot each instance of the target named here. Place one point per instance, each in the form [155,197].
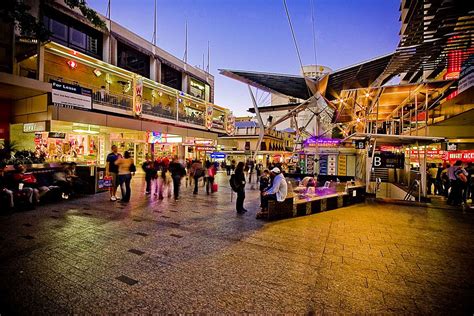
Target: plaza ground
[89,255]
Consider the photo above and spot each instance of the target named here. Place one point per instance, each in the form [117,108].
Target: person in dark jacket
[177,173]
[150,173]
[264,183]
[239,182]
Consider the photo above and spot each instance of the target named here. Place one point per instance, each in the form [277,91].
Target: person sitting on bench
[278,191]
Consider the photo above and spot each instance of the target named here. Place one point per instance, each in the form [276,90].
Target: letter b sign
[377,162]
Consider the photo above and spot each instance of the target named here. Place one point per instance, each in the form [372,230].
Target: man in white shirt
[278,191]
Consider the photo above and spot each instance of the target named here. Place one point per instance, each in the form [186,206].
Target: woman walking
[125,170]
[177,172]
[210,174]
[238,179]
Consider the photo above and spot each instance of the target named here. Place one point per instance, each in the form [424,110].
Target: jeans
[148,183]
[176,185]
[209,183]
[239,203]
[267,198]
[124,181]
[196,181]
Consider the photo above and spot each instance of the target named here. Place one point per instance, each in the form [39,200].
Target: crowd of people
[455,182]
[163,177]
[29,188]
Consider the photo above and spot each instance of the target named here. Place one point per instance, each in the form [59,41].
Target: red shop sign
[463,155]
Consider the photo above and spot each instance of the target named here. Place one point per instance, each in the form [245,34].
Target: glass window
[58,29]
[71,33]
[133,60]
[77,38]
[171,77]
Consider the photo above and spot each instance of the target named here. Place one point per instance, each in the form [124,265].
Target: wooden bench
[279,210]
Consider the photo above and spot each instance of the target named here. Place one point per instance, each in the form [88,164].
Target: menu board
[332,164]
[310,164]
[323,165]
[341,165]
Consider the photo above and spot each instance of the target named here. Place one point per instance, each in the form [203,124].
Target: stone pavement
[90,255]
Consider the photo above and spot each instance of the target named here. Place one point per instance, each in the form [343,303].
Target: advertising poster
[68,95]
[209,113]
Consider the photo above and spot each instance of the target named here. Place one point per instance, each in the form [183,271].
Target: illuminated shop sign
[205,148]
[157,137]
[463,155]
[34,127]
[217,155]
[56,135]
[68,95]
[388,160]
[204,142]
[322,142]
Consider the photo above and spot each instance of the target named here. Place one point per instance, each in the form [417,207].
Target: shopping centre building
[87,88]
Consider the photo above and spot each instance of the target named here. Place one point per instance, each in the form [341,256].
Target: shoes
[176,199]
[147,193]
[65,196]
[118,198]
[113,198]
[242,211]
[161,197]
[195,193]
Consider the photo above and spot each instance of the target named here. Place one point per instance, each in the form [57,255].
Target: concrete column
[153,74]
[106,48]
[185,80]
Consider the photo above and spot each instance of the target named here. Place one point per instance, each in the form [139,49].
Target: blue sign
[216,155]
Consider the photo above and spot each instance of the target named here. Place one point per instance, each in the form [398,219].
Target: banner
[209,113]
[69,95]
[230,124]
[137,96]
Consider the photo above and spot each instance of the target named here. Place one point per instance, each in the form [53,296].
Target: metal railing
[124,101]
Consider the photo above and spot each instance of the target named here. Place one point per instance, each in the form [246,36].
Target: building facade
[88,88]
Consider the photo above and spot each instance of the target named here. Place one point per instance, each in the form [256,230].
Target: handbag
[214,187]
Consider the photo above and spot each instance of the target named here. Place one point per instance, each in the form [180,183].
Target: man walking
[177,173]
[111,170]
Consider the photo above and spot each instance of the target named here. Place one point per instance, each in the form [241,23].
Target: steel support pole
[261,133]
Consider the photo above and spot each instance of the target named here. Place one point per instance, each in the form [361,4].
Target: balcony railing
[192,119]
[124,101]
[159,110]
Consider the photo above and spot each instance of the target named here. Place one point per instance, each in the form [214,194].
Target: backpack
[461,176]
[233,184]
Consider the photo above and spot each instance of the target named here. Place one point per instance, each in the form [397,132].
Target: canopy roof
[355,76]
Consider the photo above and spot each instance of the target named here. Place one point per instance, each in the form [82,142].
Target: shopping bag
[105,183]
[214,187]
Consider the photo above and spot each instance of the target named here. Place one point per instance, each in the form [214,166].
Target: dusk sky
[254,34]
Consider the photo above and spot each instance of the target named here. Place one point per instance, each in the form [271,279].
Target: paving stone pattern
[203,257]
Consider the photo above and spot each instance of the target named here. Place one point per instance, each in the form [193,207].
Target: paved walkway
[90,255]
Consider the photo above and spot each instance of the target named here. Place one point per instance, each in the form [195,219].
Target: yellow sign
[342,165]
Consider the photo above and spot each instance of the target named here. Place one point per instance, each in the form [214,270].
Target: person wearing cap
[277,191]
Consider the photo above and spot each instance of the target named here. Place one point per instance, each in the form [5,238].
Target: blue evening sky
[254,34]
